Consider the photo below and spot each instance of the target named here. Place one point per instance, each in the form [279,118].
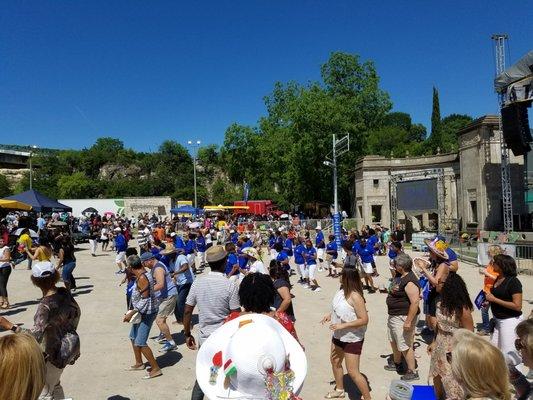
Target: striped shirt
[142,238]
[215,295]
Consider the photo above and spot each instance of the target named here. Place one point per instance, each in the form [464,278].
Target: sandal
[153,375]
[4,306]
[136,368]
[335,394]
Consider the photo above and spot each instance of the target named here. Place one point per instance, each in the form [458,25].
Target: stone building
[470,187]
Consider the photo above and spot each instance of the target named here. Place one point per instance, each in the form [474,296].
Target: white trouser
[191,259]
[201,256]
[504,334]
[52,385]
[93,244]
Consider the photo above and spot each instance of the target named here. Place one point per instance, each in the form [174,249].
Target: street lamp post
[339,147]
[194,146]
[31,169]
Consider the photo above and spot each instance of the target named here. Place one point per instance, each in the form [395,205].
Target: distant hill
[17,147]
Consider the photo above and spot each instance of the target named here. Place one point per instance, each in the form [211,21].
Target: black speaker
[516,131]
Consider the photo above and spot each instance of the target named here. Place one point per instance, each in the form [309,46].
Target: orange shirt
[488,283]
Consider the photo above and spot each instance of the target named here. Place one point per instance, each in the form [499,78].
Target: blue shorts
[139,332]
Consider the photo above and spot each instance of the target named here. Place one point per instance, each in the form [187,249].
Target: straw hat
[437,246]
[251,252]
[250,357]
[215,253]
[169,249]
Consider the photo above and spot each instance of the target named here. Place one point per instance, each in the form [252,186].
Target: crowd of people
[239,280]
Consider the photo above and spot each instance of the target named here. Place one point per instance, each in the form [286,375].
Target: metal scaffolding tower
[507,194]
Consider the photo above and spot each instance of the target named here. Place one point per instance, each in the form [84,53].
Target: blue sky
[147,71]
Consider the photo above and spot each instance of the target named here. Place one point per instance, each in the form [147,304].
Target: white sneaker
[317,289]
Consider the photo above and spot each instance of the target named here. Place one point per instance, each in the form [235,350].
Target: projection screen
[419,195]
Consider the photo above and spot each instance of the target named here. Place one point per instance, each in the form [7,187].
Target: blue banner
[337,230]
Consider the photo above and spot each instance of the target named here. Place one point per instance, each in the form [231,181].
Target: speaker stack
[516,132]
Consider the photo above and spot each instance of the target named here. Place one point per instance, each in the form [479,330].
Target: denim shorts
[139,332]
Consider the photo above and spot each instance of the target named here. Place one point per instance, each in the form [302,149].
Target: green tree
[417,133]
[398,119]
[75,186]
[5,188]
[435,113]
[449,128]
[240,152]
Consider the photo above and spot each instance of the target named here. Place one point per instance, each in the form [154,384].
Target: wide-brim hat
[241,352]
[215,253]
[251,252]
[168,250]
[438,247]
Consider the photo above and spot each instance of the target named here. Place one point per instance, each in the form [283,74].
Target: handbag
[135,318]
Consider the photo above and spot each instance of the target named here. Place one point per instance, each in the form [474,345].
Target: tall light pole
[340,147]
[31,169]
[194,146]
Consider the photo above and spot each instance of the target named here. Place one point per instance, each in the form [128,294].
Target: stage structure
[417,192]
[507,194]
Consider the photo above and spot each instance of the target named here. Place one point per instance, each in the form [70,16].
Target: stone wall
[160,206]
[13,176]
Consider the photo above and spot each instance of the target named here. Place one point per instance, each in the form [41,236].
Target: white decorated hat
[248,357]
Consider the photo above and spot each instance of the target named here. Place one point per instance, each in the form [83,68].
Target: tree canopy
[281,157]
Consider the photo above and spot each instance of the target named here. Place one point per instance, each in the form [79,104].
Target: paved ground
[99,373]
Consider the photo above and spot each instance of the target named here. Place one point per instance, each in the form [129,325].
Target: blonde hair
[524,330]
[479,367]
[495,250]
[22,365]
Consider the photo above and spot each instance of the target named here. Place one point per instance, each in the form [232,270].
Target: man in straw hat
[233,364]
[216,297]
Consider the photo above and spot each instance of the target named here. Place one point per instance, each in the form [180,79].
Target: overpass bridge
[12,159]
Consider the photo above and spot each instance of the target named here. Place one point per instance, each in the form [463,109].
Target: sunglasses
[518,345]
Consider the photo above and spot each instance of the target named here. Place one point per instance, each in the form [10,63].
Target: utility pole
[194,146]
[507,194]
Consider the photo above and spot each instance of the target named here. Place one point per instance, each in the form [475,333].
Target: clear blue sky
[146,71]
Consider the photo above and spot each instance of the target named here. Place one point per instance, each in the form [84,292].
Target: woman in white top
[5,271]
[348,319]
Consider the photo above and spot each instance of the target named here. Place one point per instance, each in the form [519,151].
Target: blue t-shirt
[232,260]
[319,241]
[200,244]
[184,277]
[331,248]
[242,258]
[234,237]
[178,242]
[190,246]
[372,240]
[298,254]
[282,256]
[120,243]
[308,253]
[392,254]
[271,242]
[288,247]
[366,253]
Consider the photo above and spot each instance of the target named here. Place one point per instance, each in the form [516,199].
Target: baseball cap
[146,256]
[42,268]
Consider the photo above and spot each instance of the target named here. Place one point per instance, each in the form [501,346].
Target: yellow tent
[220,207]
[14,205]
